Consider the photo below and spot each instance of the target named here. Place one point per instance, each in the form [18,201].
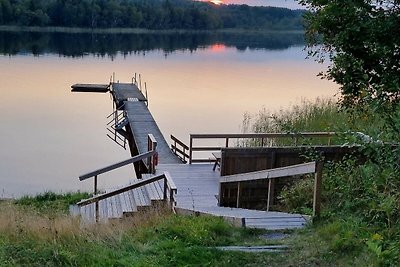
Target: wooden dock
[198,193]
[194,187]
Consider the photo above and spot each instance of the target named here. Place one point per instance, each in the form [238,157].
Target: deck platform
[198,187]
[126,91]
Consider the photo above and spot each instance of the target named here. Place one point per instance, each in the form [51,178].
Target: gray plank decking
[197,184]
[124,91]
[141,122]
[198,187]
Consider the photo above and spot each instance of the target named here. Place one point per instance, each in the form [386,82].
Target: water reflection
[50,136]
[82,44]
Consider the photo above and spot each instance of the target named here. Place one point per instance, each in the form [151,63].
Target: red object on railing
[155,159]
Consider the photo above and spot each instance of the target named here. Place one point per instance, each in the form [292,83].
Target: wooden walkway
[198,187]
[141,122]
[197,184]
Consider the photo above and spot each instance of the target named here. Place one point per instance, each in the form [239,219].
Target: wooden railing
[179,149]
[262,137]
[169,191]
[152,161]
[151,156]
[271,174]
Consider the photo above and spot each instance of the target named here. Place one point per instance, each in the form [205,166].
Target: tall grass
[361,208]
[44,237]
[306,116]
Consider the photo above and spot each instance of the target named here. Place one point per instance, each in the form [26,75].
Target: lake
[197,83]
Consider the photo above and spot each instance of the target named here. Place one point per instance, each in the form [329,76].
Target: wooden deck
[198,187]
[197,184]
[141,122]
[125,91]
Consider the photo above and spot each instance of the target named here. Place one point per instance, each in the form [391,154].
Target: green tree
[361,38]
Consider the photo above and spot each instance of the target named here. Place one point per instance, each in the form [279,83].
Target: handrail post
[190,149]
[165,188]
[238,195]
[227,142]
[270,198]
[95,185]
[317,190]
[151,146]
[97,202]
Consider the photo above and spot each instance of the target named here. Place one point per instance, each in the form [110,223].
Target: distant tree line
[98,44]
[148,14]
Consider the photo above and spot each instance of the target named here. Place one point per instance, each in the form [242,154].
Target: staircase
[125,204]
[138,196]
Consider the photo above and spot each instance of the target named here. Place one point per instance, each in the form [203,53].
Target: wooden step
[124,204]
[154,192]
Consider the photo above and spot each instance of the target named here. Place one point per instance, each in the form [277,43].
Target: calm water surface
[197,84]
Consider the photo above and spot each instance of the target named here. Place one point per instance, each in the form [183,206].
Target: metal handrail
[112,113]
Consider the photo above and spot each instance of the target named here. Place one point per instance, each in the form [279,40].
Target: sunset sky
[279,3]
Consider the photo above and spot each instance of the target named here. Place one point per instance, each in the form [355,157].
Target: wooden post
[271,183]
[95,185]
[97,202]
[238,195]
[190,150]
[317,190]
[151,146]
[270,199]
[165,188]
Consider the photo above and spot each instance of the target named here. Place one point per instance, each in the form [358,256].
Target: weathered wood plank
[141,124]
[117,165]
[124,91]
[298,169]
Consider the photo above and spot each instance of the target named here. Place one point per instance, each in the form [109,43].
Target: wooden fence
[244,160]
[272,174]
[252,139]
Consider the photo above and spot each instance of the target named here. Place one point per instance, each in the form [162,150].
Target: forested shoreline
[146,14]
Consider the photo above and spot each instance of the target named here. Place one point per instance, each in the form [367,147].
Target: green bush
[298,197]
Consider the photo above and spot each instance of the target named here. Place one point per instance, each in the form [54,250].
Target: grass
[360,224]
[31,235]
[34,236]
[38,237]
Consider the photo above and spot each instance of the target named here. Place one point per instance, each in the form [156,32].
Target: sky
[279,3]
